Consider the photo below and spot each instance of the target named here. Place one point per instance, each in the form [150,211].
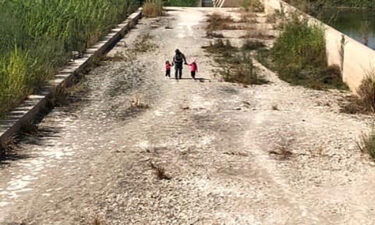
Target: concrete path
[225,153]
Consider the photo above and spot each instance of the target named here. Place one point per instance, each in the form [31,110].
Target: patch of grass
[366,91]
[367,143]
[152,8]
[283,151]
[211,34]
[299,57]
[8,146]
[181,3]
[144,44]
[250,45]
[219,22]
[252,5]
[364,102]
[236,65]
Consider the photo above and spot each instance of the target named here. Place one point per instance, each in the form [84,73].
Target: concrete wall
[353,58]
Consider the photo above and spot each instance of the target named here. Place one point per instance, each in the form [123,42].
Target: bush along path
[134,147]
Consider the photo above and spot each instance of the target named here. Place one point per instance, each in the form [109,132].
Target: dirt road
[226,154]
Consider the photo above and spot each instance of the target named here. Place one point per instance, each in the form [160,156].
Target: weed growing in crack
[283,149]
[160,172]
[8,145]
[219,22]
[98,221]
[144,44]
[250,45]
[364,102]
[367,143]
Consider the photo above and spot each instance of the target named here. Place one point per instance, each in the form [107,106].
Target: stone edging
[32,107]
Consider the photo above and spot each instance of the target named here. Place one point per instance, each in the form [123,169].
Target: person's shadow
[197,79]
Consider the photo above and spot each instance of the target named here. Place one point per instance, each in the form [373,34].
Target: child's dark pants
[168,73]
[193,74]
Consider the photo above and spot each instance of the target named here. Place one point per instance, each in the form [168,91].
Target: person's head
[167,62]
[178,51]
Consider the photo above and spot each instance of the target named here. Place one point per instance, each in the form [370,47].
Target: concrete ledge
[32,107]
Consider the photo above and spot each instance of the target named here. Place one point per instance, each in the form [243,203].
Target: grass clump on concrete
[364,101]
[152,8]
[235,64]
[367,143]
[299,56]
[252,5]
[219,22]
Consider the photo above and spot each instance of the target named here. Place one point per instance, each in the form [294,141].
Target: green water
[352,22]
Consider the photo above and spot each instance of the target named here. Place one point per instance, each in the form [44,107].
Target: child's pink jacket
[168,66]
[193,67]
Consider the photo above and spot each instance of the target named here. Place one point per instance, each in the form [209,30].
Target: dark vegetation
[184,3]
[219,22]
[252,5]
[313,7]
[367,143]
[364,101]
[236,65]
[299,57]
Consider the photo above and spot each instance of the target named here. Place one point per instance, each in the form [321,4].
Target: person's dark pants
[193,74]
[178,73]
[168,73]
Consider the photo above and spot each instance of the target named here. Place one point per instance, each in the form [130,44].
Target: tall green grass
[38,36]
[299,56]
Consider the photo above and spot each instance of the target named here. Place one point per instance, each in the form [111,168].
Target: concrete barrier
[32,107]
[354,59]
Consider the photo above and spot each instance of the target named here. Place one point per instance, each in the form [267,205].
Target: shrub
[219,22]
[252,45]
[252,5]
[236,65]
[299,56]
[367,143]
[153,8]
[366,92]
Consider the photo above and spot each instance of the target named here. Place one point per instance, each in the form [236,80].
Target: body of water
[356,23]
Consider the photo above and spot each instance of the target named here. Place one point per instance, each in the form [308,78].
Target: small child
[168,67]
[193,68]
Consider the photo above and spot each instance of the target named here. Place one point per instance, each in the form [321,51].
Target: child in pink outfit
[168,67]
[193,69]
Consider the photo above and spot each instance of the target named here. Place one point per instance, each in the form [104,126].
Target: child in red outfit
[193,69]
[168,67]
